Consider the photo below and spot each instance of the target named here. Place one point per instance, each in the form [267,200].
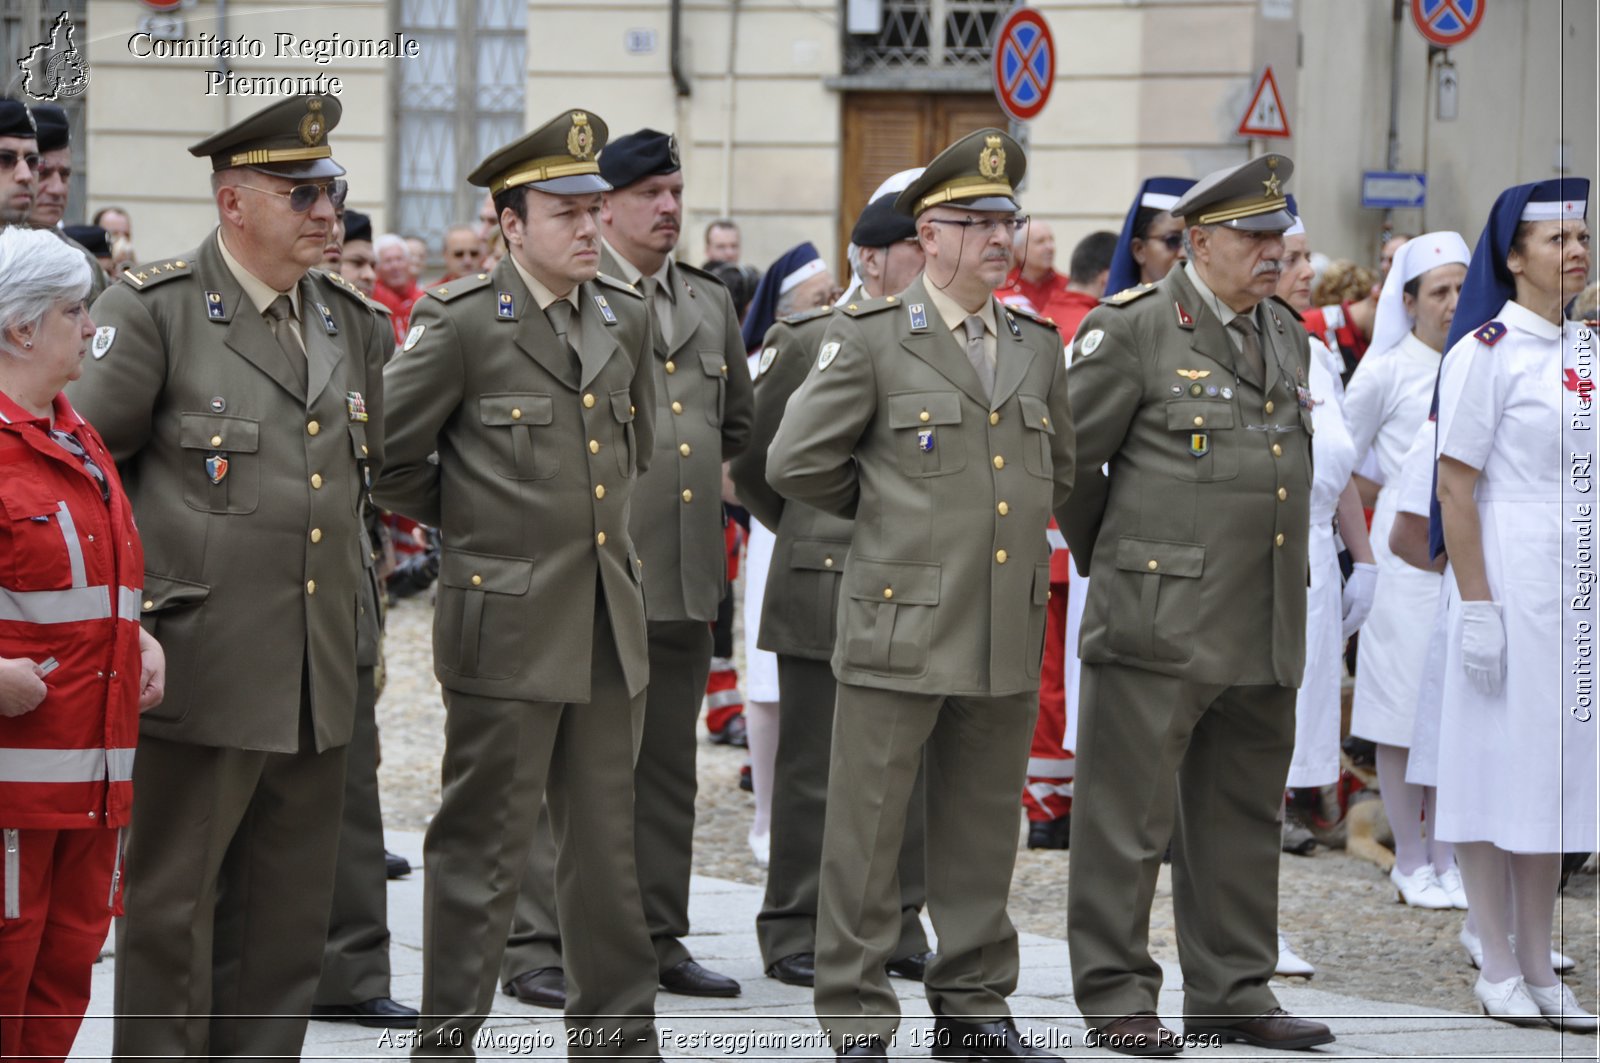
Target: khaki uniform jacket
[248,493]
[702,418]
[948,574]
[1196,543]
[537,455]
[801,603]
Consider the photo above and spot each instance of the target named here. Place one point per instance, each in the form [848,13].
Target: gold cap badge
[992,159]
[580,138]
[312,126]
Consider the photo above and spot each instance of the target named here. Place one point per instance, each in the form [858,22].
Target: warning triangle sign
[1265,117]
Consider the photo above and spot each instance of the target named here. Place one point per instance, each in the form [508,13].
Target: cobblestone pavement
[1339,912]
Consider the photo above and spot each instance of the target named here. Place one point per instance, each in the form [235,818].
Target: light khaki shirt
[1223,311]
[260,292]
[661,302]
[544,298]
[954,317]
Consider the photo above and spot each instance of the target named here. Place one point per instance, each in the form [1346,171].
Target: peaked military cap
[287,139]
[15,120]
[561,157]
[51,122]
[1249,196]
[636,156]
[978,172]
[881,225]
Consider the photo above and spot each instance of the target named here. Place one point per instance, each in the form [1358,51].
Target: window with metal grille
[920,34]
[461,99]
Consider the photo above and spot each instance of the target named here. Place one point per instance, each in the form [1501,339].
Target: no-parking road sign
[1024,64]
[1447,23]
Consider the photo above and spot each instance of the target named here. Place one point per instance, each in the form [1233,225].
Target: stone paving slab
[774,1021]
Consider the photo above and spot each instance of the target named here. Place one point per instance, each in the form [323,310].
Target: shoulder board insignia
[1292,311]
[918,316]
[1034,316]
[869,306]
[1128,295]
[806,315]
[700,273]
[451,290]
[153,273]
[618,284]
[1490,334]
[1011,323]
[342,285]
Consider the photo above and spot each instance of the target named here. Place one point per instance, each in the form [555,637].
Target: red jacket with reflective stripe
[71,568]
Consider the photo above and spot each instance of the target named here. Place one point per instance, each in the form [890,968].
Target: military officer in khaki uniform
[702,416]
[523,411]
[939,421]
[797,623]
[1194,390]
[241,393]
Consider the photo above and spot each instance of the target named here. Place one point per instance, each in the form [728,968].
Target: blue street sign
[1393,190]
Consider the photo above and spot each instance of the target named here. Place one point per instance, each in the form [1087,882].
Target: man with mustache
[1194,390]
[239,388]
[938,420]
[703,415]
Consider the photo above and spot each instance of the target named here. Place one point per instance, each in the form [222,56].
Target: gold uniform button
[1002,509]
[149,604]
[677,407]
[1045,421]
[477,580]
[1152,564]
[316,481]
[311,586]
[594,446]
[1198,421]
[216,441]
[685,449]
[1000,557]
[1279,540]
[1268,407]
[827,562]
[671,366]
[599,490]
[600,539]
[316,535]
[999,462]
[363,449]
[1277,451]
[688,495]
[923,416]
[516,413]
[724,369]
[994,418]
[312,428]
[588,402]
[1283,494]
[888,592]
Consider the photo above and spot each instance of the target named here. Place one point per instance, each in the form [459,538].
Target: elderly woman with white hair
[76,669]
[1386,403]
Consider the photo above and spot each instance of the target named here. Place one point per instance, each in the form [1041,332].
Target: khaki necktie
[280,315]
[560,315]
[975,354]
[1254,363]
[660,309]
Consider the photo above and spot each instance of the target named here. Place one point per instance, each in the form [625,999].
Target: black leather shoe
[1050,833]
[395,865]
[1139,1034]
[975,1042]
[379,1012]
[734,733]
[543,987]
[1272,1029]
[799,968]
[870,1049]
[913,967]
[693,980]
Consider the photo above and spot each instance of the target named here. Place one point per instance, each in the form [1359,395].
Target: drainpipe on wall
[726,208]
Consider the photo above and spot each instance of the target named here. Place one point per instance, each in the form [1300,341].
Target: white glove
[1483,646]
[1357,598]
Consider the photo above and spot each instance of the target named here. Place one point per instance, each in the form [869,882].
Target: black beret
[637,156]
[881,225]
[54,129]
[357,226]
[91,238]
[16,121]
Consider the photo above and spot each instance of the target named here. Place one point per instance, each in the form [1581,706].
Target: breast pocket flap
[823,555]
[1035,414]
[917,408]
[486,572]
[208,431]
[500,410]
[1181,414]
[900,582]
[1161,557]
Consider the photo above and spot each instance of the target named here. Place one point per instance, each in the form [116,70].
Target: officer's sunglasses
[984,226]
[9,159]
[303,197]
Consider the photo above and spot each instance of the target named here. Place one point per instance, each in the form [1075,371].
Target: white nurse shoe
[1561,1009]
[1508,1001]
[1421,888]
